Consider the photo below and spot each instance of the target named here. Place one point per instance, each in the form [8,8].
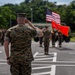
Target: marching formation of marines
[53,36]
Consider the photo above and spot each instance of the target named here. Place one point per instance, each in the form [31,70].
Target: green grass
[73,39]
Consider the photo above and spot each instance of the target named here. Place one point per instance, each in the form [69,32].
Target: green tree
[5,15]
[67,12]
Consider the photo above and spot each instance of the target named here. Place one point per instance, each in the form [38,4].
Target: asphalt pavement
[60,61]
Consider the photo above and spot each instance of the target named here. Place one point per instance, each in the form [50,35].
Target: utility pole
[47,2]
[32,15]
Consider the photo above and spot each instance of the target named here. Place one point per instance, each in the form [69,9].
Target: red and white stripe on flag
[56,17]
[49,18]
[52,16]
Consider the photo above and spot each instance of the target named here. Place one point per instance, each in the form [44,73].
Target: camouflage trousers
[46,45]
[53,39]
[20,69]
[40,40]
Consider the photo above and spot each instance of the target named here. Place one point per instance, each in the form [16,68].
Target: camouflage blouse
[20,38]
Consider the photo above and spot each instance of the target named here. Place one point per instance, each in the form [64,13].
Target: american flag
[52,16]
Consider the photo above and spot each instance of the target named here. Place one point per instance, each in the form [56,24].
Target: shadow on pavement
[65,49]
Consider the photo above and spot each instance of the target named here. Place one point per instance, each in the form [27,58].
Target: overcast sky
[2,2]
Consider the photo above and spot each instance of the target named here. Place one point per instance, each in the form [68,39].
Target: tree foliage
[8,12]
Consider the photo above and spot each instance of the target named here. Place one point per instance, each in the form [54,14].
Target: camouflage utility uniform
[60,39]
[46,41]
[40,41]
[54,37]
[21,54]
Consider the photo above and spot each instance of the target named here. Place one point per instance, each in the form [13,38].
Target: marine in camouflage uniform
[53,39]
[60,38]
[20,58]
[46,37]
[54,35]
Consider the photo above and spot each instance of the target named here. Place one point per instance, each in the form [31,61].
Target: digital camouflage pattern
[21,53]
[46,37]
[46,34]
[60,39]
[20,69]
[54,37]
[20,38]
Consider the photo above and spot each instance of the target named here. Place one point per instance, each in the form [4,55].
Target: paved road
[60,61]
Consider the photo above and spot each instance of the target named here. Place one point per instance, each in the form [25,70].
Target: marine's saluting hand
[39,31]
